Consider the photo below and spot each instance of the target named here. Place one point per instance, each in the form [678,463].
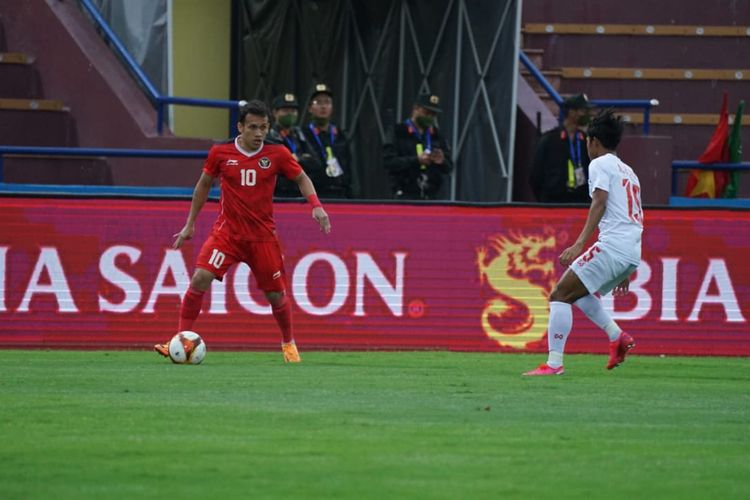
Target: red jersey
[248,179]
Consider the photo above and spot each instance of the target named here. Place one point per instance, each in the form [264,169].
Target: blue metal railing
[94,152]
[646,104]
[160,101]
[678,165]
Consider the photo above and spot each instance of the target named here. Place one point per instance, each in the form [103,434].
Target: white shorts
[600,269]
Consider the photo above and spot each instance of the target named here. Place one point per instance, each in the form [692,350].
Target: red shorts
[220,252]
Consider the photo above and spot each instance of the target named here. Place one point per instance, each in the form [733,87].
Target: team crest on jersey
[232,163]
[264,162]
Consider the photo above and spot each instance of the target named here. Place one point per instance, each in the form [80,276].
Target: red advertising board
[101,274]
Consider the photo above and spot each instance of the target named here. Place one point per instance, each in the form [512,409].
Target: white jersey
[622,223]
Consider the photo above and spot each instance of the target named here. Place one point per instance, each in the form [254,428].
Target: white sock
[592,307]
[560,323]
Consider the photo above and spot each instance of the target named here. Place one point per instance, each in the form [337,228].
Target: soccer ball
[187,348]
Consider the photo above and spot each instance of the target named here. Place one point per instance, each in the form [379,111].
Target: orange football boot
[162,349]
[291,355]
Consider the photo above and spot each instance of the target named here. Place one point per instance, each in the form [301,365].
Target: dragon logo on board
[519,268]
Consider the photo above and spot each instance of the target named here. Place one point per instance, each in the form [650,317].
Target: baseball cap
[286,100]
[321,88]
[429,101]
[578,101]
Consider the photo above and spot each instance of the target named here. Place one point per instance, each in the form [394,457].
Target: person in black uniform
[560,172]
[330,166]
[285,131]
[416,155]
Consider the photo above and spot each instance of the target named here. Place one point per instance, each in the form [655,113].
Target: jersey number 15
[635,212]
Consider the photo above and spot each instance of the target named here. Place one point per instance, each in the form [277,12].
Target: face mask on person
[319,121]
[289,120]
[425,121]
[584,120]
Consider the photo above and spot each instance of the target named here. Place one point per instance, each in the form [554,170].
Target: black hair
[255,108]
[607,127]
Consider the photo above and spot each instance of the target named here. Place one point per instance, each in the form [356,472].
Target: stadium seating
[77,94]
[27,118]
[685,65]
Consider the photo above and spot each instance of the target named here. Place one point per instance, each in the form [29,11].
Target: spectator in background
[285,131]
[330,165]
[560,171]
[415,155]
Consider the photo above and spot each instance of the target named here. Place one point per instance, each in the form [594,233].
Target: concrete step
[650,30]
[686,119]
[688,141]
[36,127]
[661,12]
[638,51]
[641,73]
[19,79]
[554,77]
[536,56]
[32,105]
[700,96]
[16,58]
[549,102]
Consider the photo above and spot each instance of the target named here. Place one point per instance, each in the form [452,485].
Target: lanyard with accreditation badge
[333,168]
[289,140]
[576,177]
[421,148]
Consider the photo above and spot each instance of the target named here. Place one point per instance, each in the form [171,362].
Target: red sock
[191,308]
[283,314]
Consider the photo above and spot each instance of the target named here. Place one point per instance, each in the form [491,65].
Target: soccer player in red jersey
[244,230]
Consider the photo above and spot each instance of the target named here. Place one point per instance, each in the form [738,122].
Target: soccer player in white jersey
[606,265]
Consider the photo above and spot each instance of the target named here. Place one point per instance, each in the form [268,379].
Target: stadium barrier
[100,273]
[93,152]
[686,201]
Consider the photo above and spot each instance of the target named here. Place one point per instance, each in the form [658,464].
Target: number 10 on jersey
[247,177]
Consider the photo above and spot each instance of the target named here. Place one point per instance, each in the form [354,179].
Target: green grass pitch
[371,425]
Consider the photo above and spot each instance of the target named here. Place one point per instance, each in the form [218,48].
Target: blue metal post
[159,116]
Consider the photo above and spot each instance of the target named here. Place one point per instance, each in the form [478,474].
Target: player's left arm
[596,212]
[308,191]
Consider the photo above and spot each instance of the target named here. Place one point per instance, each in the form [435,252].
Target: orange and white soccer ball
[187,348]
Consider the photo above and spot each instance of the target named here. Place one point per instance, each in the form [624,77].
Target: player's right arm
[200,195]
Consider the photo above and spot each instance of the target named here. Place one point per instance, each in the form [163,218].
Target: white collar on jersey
[244,151]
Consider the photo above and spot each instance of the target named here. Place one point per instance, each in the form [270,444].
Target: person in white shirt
[606,265]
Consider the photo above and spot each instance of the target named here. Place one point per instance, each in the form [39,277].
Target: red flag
[710,183]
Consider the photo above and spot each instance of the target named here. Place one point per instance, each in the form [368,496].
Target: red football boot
[544,369]
[618,349]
